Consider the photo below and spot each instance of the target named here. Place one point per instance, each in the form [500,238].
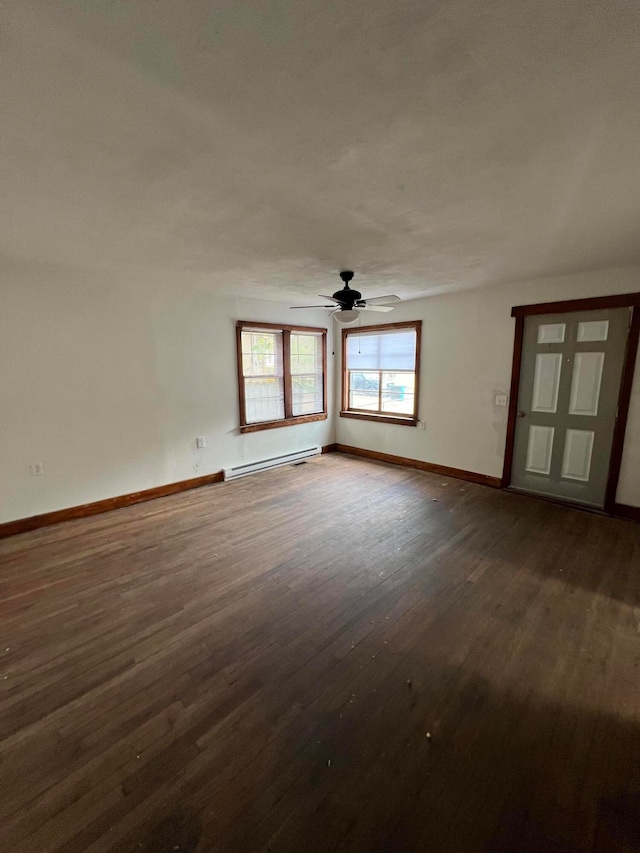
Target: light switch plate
[200,442]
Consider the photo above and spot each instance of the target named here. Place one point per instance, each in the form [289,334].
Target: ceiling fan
[348,303]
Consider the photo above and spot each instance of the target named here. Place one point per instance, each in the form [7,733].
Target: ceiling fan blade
[324,296]
[311,306]
[375,308]
[382,300]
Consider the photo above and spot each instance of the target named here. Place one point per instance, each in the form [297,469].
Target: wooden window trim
[381,417]
[289,419]
[385,419]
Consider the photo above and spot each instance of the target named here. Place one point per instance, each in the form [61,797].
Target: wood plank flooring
[335,656]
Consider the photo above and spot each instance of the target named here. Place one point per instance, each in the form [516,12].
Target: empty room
[319,426]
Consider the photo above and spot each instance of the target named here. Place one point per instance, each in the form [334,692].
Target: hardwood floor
[337,656]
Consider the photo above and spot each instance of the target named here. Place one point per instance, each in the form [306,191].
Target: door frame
[623,300]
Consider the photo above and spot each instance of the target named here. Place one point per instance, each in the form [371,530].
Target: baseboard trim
[626,511]
[429,467]
[33,522]
[23,525]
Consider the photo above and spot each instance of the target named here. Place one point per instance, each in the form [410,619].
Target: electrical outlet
[422,424]
[501,399]
[36,468]
[200,442]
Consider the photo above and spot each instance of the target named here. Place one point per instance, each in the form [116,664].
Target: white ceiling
[258,146]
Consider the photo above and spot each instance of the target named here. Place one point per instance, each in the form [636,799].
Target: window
[380,372]
[281,375]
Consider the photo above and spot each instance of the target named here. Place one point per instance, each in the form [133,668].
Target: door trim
[513,401]
[624,398]
[594,303]
[625,300]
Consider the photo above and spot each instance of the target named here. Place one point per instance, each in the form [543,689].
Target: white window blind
[262,368]
[382,351]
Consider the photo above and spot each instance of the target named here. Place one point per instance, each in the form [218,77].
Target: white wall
[467,346]
[109,387]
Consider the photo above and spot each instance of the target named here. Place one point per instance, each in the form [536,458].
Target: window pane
[306,353]
[364,390]
[307,394]
[264,399]
[382,350]
[307,386]
[398,393]
[261,353]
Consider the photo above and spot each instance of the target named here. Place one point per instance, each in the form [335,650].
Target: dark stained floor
[337,656]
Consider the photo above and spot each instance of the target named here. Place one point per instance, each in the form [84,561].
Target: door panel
[540,449]
[578,450]
[546,382]
[586,383]
[551,333]
[593,330]
[569,385]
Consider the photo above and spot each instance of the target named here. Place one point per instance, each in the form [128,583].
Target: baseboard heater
[274,462]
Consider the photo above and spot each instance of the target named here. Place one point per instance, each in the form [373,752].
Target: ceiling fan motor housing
[347,297]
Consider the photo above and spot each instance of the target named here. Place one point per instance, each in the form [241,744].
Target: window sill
[301,419]
[385,419]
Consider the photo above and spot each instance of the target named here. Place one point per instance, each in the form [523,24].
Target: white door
[570,376]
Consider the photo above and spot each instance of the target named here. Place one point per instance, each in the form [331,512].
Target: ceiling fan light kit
[346,317]
[348,303]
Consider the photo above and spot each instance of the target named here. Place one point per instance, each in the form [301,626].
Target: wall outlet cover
[200,442]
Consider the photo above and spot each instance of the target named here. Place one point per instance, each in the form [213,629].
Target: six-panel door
[569,384]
